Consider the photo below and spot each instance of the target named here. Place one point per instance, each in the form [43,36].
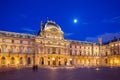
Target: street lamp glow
[53,58]
[70,59]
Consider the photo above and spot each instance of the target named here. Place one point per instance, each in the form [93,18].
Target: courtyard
[62,74]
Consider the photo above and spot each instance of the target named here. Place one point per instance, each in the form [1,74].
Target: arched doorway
[12,60]
[106,61]
[59,63]
[65,61]
[29,60]
[3,60]
[53,61]
[21,60]
[48,62]
[41,62]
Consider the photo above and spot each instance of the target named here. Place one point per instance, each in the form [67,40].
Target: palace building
[49,48]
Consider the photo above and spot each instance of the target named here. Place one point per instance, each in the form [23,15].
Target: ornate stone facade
[49,48]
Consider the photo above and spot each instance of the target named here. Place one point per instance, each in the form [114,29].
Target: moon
[75,20]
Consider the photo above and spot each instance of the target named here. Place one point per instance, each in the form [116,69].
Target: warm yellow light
[8,62]
[70,59]
[53,58]
[17,62]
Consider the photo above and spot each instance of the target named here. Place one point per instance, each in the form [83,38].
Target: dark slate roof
[48,23]
[113,40]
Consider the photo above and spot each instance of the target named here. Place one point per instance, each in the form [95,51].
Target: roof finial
[47,19]
[41,25]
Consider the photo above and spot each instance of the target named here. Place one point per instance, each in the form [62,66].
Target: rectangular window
[3,49]
[21,41]
[12,49]
[12,41]
[21,50]
[28,50]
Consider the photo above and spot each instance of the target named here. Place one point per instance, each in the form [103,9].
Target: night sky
[96,18]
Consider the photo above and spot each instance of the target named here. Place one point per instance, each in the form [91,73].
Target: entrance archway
[65,61]
[21,60]
[3,60]
[29,60]
[41,61]
[12,60]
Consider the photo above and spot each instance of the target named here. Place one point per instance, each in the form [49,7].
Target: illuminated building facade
[49,48]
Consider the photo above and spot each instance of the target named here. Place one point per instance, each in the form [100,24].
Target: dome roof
[51,24]
[48,25]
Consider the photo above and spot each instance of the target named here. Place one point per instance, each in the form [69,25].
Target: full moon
[75,20]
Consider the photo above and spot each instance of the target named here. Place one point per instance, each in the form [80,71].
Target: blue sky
[96,18]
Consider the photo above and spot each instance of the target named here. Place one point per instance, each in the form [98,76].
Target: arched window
[3,60]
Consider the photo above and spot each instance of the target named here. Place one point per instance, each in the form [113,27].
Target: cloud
[105,37]
[68,34]
[28,29]
[112,20]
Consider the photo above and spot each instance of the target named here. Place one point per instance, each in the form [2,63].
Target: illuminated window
[12,49]
[40,49]
[3,49]
[28,50]
[21,50]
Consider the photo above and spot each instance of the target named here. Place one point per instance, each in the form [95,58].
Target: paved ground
[63,74]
